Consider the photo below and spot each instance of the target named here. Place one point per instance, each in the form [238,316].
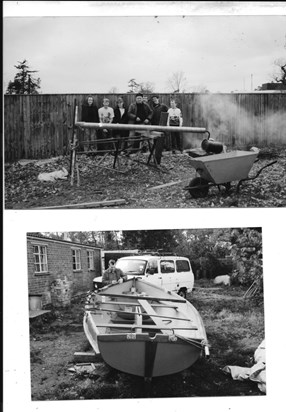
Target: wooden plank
[102,203]
[128,326]
[120,303]
[166,185]
[150,311]
[138,320]
[120,295]
[82,357]
[161,305]
[134,313]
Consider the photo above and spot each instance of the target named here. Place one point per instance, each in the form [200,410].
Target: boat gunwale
[145,337]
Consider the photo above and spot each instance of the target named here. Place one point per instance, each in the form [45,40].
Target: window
[182,266]
[90,260]
[134,267]
[76,264]
[167,266]
[40,258]
[152,266]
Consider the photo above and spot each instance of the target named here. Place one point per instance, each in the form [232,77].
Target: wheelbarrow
[222,169]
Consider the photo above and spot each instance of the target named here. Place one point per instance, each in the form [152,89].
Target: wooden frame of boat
[141,329]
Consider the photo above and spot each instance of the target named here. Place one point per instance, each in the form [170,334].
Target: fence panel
[40,126]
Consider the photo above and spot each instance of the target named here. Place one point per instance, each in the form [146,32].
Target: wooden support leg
[73,166]
[77,175]
[152,150]
[116,153]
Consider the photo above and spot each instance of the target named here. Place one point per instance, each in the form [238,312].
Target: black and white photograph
[145,111]
[147,313]
[144,314]
[144,198]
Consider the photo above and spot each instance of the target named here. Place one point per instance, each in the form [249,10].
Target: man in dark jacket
[158,108]
[112,274]
[139,113]
[89,114]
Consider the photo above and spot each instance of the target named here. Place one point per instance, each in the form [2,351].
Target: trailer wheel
[195,190]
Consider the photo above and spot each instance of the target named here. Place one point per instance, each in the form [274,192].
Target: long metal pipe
[139,127]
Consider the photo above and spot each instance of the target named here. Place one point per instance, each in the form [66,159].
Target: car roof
[148,257]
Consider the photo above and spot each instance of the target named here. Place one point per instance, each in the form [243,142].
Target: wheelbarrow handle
[254,177]
[260,170]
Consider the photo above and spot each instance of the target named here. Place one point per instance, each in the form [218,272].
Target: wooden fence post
[73,145]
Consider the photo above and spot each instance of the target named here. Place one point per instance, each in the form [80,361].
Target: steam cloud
[240,120]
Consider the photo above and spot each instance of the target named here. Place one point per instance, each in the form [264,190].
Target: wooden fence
[40,126]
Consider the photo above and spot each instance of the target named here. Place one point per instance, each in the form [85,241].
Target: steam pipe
[141,127]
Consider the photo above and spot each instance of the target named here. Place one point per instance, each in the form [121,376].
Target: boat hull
[141,329]
[147,357]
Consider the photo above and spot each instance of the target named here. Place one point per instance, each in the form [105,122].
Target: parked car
[173,273]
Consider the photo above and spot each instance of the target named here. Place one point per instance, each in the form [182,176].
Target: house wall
[60,266]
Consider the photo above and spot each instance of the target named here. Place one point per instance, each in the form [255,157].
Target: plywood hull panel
[143,330]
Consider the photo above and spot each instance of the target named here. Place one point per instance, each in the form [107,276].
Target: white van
[173,273]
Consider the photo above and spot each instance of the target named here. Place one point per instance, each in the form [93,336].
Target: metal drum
[211,146]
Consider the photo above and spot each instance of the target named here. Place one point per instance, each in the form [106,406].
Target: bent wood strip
[84,205]
[166,185]
[142,314]
[118,295]
[159,305]
[128,326]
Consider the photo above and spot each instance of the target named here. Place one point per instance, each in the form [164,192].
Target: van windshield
[134,267]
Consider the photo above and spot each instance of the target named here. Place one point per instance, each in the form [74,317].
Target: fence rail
[40,126]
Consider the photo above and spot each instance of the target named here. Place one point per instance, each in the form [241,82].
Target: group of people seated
[140,112]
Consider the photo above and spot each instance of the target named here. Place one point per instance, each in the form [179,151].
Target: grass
[235,327]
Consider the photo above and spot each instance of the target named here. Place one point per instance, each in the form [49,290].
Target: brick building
[60,269]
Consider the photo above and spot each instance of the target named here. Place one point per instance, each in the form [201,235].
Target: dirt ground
[234,327]
[133,183]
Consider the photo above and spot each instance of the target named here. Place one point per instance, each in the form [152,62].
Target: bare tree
[280,71]
[178,82]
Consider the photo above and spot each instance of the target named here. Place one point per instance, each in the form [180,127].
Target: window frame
[182,271]
[76,260]
[90,257]
[43,258]
[168,260]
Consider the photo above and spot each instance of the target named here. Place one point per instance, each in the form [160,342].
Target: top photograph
[144,112]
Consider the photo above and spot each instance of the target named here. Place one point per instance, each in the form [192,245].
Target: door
[184,276]
[152,272]
[167,269]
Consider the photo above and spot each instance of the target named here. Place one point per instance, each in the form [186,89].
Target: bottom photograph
[146,314]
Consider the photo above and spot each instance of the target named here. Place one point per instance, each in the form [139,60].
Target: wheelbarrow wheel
[198,187]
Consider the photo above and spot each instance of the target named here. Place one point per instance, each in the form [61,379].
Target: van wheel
[182,293]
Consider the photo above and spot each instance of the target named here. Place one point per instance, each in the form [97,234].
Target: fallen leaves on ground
[130,180]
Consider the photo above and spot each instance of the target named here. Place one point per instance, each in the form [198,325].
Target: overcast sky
[94,54]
